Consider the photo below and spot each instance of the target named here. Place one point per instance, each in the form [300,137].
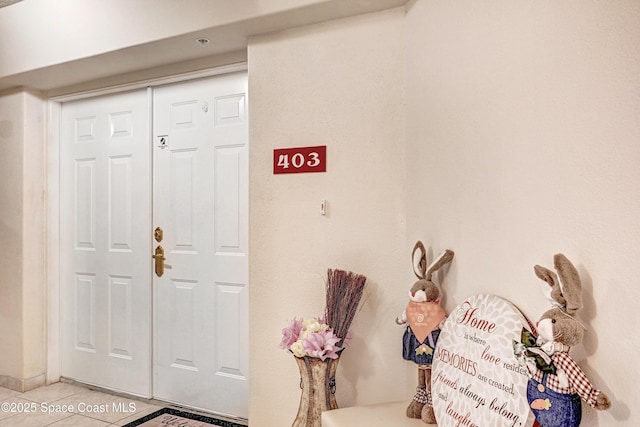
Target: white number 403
[298,160]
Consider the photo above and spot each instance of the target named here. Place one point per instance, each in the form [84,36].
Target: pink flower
[291,333]
[312,338]
[322,345]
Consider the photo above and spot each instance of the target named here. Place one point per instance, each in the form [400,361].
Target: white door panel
[105,216]
[200,201]
[181,337]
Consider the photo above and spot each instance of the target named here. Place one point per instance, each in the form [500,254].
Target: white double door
[174,158]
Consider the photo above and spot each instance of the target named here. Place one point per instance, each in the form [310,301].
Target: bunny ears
[565,289]
[420,268]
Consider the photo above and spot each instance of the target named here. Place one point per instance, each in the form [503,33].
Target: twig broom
[343,293]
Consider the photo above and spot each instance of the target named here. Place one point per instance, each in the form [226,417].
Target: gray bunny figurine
[424,318]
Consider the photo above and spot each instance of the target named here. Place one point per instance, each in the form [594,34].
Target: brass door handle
[160,259]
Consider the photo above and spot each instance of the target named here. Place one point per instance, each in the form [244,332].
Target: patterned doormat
[172,417]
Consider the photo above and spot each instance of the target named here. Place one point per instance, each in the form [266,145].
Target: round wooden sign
[476,379]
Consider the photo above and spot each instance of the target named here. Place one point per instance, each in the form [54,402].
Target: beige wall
[338,84]
[22,299]
[505,131]
[34,218]
[11,144]
[523,125]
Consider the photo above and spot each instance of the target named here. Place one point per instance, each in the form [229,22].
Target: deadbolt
[158,234]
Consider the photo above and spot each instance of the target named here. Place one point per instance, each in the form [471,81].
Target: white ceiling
[4,3]
[224,38]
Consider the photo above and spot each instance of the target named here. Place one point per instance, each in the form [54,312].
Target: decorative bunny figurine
[425,318]
[557,383]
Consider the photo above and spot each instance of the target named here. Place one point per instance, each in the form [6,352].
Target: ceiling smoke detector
[4,3]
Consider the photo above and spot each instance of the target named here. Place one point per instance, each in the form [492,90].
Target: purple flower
[322,345]
[312,338]
[291,333]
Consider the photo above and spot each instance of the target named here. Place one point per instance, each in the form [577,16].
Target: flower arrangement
[311,338]
[325,337]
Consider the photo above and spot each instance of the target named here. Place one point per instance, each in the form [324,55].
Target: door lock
[158,234]
[160,259]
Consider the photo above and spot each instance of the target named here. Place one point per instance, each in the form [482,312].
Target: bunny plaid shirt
[578,382]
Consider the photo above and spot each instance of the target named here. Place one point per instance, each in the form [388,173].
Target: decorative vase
[318,384]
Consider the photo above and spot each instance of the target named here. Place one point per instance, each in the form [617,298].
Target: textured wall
[341,85]
[11,169]
[22,308]
[523,120]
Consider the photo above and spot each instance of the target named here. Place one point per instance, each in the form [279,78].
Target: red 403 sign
[299,160]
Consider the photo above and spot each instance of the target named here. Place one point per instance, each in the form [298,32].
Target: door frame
[52,279]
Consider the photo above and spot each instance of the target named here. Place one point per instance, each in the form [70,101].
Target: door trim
[52,279]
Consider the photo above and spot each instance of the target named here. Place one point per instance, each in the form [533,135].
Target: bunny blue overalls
[565,410]
[564,407]
[410,344]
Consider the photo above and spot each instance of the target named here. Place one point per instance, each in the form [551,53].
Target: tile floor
[68,405]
